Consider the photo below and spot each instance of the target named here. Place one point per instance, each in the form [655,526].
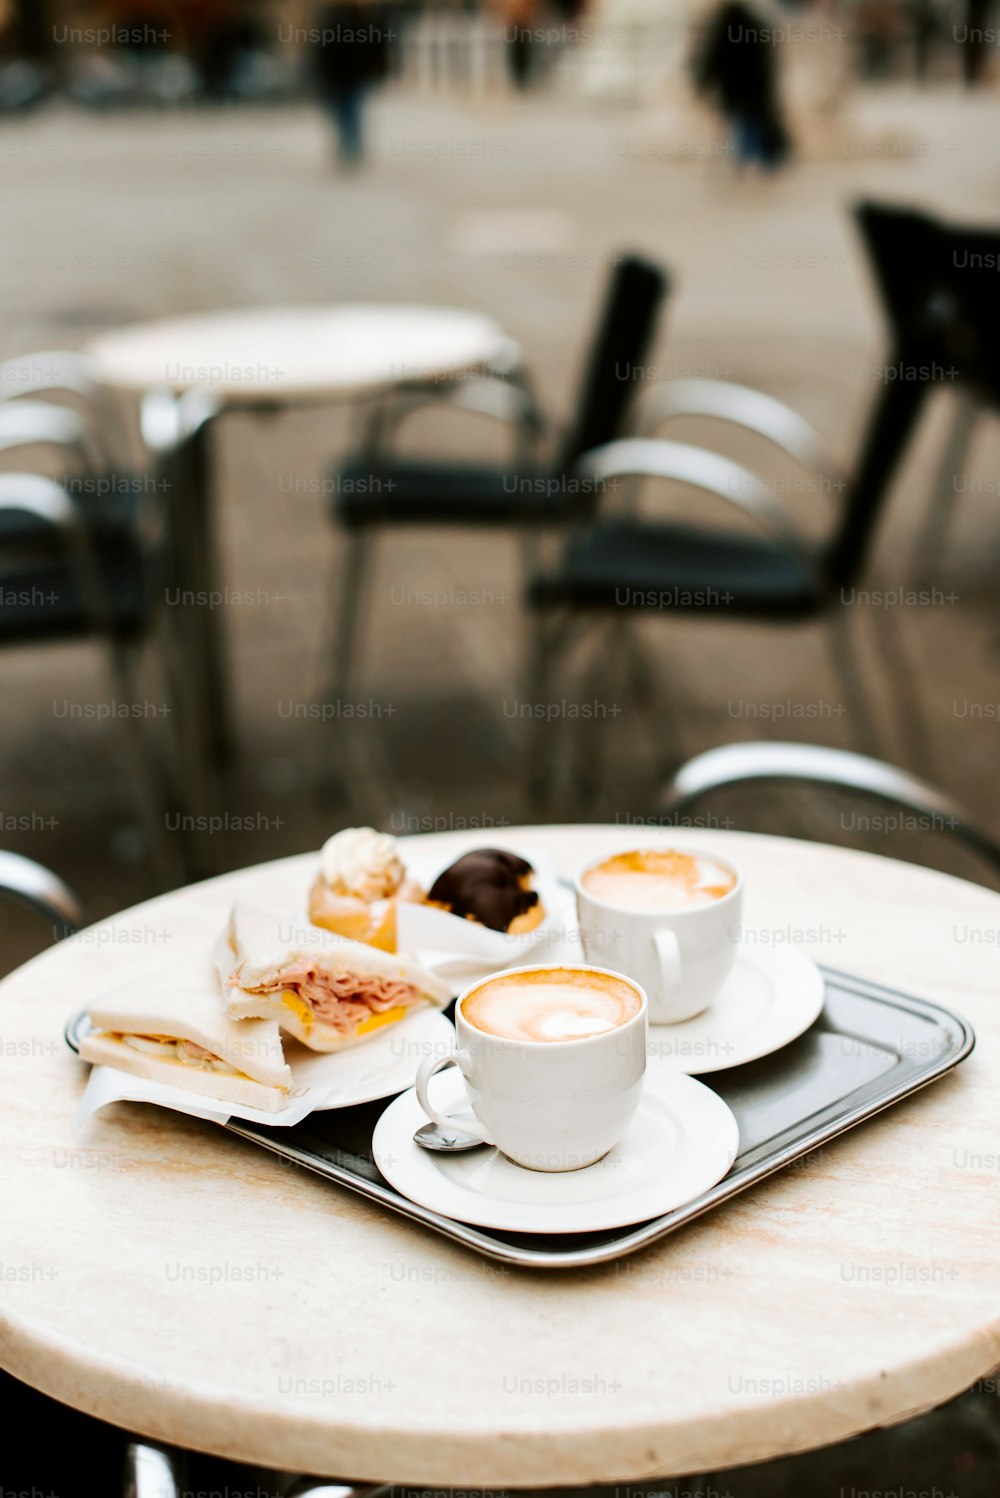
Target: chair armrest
[751,409]
[34,885]
[27,423]
[55,369]
[653,457]
[150,1472]
[741,764]
[485,395]
[42,497]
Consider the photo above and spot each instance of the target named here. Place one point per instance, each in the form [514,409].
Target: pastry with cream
[326,990]
[176,1031]
[493,887]
[361,876]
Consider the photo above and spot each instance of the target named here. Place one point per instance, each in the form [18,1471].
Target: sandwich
[176,1031]
[326,990]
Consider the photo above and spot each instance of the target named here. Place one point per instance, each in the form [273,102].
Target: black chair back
[617,357]
[943,314]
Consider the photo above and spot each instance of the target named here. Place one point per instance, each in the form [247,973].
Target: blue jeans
[752,143]
[346,108]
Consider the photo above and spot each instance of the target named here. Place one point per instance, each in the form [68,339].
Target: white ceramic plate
[383,1066]
[770,998]
[682,1140]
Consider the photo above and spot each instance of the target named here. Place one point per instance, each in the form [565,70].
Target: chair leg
[196,776]
[590,760]
[549,644]
[550,650]
[538,755]
[930,547]
[153,793]
[848,668]
[659,704]
[351,580]
[904,684]
[353,577]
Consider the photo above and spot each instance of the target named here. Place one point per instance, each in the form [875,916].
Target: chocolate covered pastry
[492,887]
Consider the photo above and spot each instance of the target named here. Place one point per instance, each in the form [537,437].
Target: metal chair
[375,489]
[58,582]
[625,564]
[45,372]
[35,886]
[937,286]
[61,374]
[151,1471]
[756,763]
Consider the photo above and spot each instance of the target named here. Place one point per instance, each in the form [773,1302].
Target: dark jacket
[353,46]
[736,63]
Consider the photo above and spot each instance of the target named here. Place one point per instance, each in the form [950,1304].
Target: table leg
[198,565]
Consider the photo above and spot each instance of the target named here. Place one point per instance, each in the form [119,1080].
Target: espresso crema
[550,1004]
[654,879]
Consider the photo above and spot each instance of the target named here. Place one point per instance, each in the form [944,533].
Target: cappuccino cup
[666,917]
[553,1059]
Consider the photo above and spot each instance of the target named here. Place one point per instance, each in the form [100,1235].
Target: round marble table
[269,358]
[261,354]
[173,1279]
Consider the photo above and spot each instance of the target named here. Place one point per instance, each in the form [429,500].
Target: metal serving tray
[869,1048]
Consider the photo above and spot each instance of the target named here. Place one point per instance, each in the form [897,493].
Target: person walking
[350,56]
[737,68]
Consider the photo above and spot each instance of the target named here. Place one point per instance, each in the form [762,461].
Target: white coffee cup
[681,956]
[546,1104]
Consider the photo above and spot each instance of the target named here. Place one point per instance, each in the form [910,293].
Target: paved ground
[518,209]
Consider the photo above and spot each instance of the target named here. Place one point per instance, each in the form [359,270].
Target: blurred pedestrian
[880,29]
[736,66]
[974,40]
[350,57]
[520,31]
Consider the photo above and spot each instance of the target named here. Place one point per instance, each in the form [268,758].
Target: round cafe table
[265,359]
[279,355]
[169,1277]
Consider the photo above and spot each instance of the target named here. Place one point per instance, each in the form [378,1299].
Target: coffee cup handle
[668,950]
[428,1068]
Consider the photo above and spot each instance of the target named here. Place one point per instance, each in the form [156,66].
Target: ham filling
[342,1001]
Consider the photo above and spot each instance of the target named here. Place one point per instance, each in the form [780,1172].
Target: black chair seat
[631,564]
[113,504]
[40,599]
[405,492]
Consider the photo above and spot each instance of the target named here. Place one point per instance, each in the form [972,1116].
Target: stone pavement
[516,208]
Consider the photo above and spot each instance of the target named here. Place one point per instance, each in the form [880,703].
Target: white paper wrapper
[450,944]
[109,1085]
[384,1065]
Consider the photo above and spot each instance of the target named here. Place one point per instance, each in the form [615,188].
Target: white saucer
[682,1140]
[770,998]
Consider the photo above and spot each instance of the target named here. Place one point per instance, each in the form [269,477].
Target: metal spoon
[430,1136]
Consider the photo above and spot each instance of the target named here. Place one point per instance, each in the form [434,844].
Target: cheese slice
[377,1021]
[299,1007]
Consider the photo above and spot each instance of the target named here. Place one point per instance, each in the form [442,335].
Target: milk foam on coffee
[551,1004]
[659,879]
